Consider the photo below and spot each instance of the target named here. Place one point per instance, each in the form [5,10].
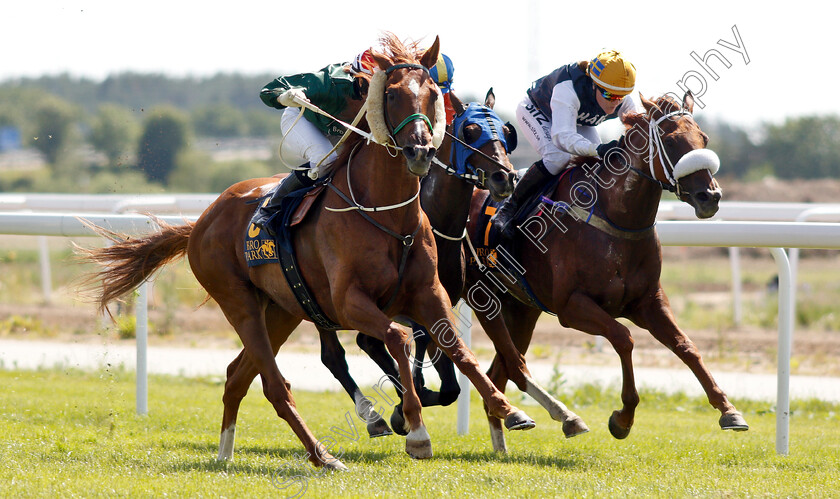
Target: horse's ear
[651,108]
[381,60]
[430,56]
[688,102]
[457,105]
[490,98]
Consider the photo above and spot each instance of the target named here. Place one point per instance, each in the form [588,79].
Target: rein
[604,224]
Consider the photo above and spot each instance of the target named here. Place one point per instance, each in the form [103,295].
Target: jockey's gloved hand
[603,149]
[287,98]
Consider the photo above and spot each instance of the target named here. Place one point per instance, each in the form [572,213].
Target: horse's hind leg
[520,321]
[334,358]
[245,312]
[240,373]
[655,316]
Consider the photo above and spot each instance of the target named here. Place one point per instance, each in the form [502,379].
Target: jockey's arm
[314,85]
[564,110]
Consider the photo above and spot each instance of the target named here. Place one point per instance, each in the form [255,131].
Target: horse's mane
[665,104]
[397,51]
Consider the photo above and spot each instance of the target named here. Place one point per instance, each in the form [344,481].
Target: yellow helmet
[610,71]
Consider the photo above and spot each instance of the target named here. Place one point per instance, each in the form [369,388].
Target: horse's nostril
[702,197]
[498,177]
[716,195]
[410,152]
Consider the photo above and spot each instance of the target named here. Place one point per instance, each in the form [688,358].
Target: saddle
[261,248]
[489,236]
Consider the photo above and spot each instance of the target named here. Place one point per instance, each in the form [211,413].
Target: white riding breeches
[536,127]
[303,142]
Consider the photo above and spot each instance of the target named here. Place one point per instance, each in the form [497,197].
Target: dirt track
[745,349]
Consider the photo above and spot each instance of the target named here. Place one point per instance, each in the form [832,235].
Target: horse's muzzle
[500,185]
[706,203]
[419,158]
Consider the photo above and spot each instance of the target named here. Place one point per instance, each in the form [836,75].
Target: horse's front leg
[431,309]
[655,315]
[582,313]
[361,313]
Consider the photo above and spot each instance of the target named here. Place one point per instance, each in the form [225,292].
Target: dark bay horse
[361,269]
[602,259]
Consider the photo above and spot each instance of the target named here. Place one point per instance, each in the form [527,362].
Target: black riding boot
[534,178]
[294,181]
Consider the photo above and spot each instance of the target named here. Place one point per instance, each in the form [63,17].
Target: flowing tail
[130,261]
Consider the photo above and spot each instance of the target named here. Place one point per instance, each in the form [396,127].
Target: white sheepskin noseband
[696,160]
[376,111]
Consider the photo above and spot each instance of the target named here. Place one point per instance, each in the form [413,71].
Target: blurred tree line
[145,127]
[135,132]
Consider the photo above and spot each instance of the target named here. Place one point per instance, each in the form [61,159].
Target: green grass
[67,434]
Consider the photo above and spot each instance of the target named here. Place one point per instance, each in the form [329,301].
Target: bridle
[492,129]
[668,166]
[394,130]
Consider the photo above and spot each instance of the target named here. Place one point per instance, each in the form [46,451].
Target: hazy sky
[781,63]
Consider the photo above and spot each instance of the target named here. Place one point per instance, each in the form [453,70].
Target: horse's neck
[378,179]
[446,201]
[627,198]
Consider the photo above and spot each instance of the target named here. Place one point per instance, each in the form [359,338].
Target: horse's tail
[129,261]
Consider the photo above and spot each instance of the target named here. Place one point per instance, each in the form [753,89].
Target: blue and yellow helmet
[442,72]
[610,71]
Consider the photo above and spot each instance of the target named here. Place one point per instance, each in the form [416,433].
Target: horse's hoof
[418,444]
[733,421]
[616,430]
[334,465]
[419,449]
[519,421]
[573,427]
[379,428]
[398,421]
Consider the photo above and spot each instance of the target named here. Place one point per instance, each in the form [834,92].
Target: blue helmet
[442,72]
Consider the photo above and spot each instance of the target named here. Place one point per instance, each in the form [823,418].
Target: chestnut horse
[486,166]
[476,148]
[362,267]
[602,259]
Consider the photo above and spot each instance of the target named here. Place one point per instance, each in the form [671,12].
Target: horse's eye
[471,133]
